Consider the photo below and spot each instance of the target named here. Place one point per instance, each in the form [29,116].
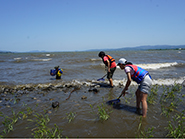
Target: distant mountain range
[146,47]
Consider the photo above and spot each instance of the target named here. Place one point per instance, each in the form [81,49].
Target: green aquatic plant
[177,87]
[41,122]
[155,89]
[9,122]
[127,100]
[144,133]
[170,98]
[103,112]
[42,130]
[176,127]
[28,112]
[54,132]
[71,116]
[152,97]
[24,104]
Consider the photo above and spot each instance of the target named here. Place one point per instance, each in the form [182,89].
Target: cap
[122,61]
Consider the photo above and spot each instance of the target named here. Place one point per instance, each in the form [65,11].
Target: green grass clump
[42,130]
[9,122]
[170,98]
[144,133]
[152,97]
[176,127]
[103,112]
[71,116]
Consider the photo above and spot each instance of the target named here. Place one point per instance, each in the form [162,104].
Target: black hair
[101,54]
[128,63]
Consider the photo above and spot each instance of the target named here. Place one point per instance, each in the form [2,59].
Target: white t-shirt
[129,69]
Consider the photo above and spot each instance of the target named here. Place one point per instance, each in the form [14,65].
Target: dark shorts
[58,77]
[110,74]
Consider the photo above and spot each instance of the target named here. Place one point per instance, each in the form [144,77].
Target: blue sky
[70,25]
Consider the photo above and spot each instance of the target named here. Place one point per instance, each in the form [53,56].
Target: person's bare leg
[138,98]
[144,104]
[111,82]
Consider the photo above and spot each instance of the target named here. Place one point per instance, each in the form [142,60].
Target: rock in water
[55,104]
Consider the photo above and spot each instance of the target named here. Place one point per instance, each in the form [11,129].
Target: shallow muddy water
[123,121]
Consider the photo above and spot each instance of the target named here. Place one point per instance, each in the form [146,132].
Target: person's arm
[127,84]
[108,65]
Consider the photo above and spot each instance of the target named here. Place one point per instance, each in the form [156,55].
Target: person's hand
[123,93]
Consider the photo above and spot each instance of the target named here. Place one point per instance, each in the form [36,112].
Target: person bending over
[142,77]
[110,64]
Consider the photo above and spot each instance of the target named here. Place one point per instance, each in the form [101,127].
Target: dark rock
[55,104]
[95,90]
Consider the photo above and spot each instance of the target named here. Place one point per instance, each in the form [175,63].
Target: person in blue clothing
[142,77]
[59,72]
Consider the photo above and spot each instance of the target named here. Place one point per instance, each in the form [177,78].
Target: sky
[78,25]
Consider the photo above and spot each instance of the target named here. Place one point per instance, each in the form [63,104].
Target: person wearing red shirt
[111,65]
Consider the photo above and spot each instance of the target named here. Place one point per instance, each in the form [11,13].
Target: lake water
[27,76]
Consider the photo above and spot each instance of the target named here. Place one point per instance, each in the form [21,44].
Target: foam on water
[95,83]
[170,81]
[95,59]
[46,59]
[155,66]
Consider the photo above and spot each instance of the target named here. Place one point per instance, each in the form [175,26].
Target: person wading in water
[142,77]
[110,64]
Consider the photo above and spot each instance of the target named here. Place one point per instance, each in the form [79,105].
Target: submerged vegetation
[71,116]
[40,121]
[42,130]
[169,99]
[103,112]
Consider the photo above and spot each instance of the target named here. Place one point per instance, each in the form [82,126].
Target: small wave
[46,59]
[157,65]
[169,81]
[95,59]
[48,55]
[18,58]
